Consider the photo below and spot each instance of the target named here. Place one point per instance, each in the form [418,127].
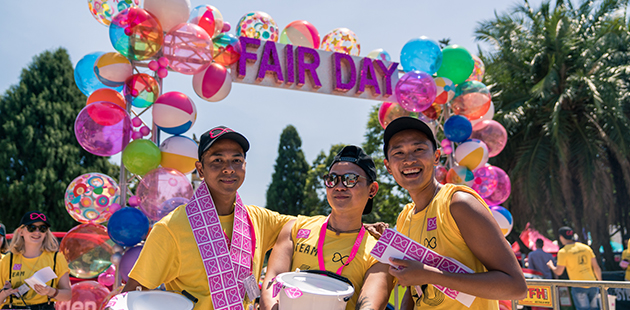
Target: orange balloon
[109,95]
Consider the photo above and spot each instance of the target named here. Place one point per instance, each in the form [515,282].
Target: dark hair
[540,243]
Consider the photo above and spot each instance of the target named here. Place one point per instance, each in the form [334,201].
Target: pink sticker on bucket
[293,292]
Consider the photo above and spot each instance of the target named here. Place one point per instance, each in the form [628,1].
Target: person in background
[538,260]
[625,259]
[33,248]
[580,262]
[4,245]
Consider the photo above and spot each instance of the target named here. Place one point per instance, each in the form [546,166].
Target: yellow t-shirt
[170,254]
[435,228]
[336,252]
[24,268]
[227,223]
[576,257]
[626,255]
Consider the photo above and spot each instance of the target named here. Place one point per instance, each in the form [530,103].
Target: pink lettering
[368,77]
[270,54]
[387,75]
[338,66]
[245,55]
[302,52]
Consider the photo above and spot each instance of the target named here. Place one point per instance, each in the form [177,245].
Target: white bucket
[317,292]
[149,300]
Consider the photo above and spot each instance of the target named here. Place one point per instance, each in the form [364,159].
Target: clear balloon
[188,48]
[84,75]
[416,91]
[433,112]
[91,198]
[485,181]
[503,218]
[379,54]
[160,185]
[213,84]
[493,134]
[300,33]
[174,113]
[457,64]
[141,90]
[421,54]
[103,128]
[85,295]
[257,25]
[104,10]
[460,175]
[440,174]
[170,13]
[445,90]
[136,34]
[179,153]
[227,49]
[128,226]
[109,95]
[88,249]
[166,207]
[457,128]
[486,117]
[390,111]
[207,17]
[341,40]
[141,156]
[472,154]
[478,71]
[112,69]
[128,260]
[472,100]
[503,189]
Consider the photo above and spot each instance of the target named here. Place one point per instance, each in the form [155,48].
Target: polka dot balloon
[257,25]
[92,198]
[341,40]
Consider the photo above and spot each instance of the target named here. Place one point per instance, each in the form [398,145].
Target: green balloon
[141,156]
[457,64]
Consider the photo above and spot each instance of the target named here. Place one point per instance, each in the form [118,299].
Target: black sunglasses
[32,228]
[349,180]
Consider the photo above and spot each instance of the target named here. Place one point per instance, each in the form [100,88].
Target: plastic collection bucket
[149,300]
[317,292]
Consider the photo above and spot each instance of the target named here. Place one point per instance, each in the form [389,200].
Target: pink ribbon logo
[222,131]
[38,215]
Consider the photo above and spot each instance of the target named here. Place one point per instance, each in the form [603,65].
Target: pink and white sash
[226,267]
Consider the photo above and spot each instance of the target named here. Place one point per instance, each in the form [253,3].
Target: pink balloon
[416,91]
[493,134]
[85,295]
[106,279]
[103,128]
[160,185]
[133,201]
[188,48]
[485,181]
[226,27]
[440,174]
[503,189]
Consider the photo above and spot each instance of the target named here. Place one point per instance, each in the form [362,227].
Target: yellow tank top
[435,228]
[305,234]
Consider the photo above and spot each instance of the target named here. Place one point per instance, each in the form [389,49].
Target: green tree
[559,76]
[286,191]
[40,154]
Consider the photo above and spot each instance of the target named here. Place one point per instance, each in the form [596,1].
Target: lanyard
[252,235]
[320,247]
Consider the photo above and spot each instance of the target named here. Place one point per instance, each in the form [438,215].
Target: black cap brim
[404,123]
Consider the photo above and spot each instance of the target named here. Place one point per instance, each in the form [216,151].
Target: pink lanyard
[320,247]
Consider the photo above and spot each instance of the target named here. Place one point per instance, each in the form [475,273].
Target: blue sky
[260,113]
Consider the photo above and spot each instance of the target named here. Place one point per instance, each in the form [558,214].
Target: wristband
[55,294]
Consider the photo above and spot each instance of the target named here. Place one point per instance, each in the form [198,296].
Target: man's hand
[551,265]
[376,229]
[410,273]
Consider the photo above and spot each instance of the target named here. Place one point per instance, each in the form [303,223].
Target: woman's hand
[44,290]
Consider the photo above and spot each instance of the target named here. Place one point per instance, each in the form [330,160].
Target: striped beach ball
[504,219]
[112,69]
[213,84]
[174,113]
[460,175]
[179,153]
[472,154]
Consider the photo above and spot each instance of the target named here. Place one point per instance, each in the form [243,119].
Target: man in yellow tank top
[580,262]
[451,220]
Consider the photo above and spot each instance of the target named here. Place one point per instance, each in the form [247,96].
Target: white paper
[41,277]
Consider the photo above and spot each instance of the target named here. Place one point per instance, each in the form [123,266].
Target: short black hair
[540,243]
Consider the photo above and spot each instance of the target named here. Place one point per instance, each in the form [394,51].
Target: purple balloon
[128,260]
[103,128]
[485,181]
[160,185]
[416,91]
[166,207]
[503,189]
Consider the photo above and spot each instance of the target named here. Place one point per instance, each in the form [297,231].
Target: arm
[373,294]
[279,262]
[596,269]
[132,285]
[376,229]
[504,278]
[556,270]
[6,291]
[407,302]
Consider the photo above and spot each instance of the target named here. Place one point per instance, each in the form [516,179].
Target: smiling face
[36,237]
[412,160]
[223,167]
[350,199]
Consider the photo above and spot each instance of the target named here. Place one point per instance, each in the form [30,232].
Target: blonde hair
[17,246]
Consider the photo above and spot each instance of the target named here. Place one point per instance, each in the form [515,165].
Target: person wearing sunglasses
[33,248]
[4,245]
[336,243]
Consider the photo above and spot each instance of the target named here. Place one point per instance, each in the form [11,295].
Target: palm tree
[559,76]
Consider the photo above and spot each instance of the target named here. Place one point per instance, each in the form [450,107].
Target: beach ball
[170,13]
[88,249]
[141,156]
[300,33]
[174,113]
[103,128]
[478,71]
[457,128]
[84,76]
[213,84]
[208,18]
[421,54]
[160,185]
[460,175]
[226,49]
[504,219]
[104,10]
[457,64]
[85,295]
[112,69]
[141,90]
[128,260]
[432,113]
[257,25]
[472,100]
[416,91]
[128,226]
[445,90]
[109,95]
[503,189]
[440,174]
[472,154]
[341,40]
[485,181]
[136,33]
[179,153]
[188,48]
[486,117]
[389,111]
[92,198]
[493,134]
[379,54]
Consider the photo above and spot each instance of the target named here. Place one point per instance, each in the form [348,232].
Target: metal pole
[603,293]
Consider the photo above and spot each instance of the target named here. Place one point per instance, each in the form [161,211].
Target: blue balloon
[128,226]
[457,129]
[422,54]
[84,75]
